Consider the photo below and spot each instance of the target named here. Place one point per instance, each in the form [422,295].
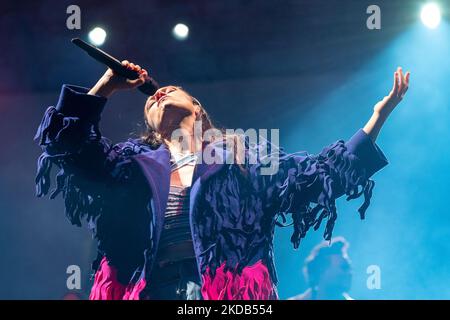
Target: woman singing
[172,227]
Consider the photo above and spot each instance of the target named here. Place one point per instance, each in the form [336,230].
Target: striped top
[176,222]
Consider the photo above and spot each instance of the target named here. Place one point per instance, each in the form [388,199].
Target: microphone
[148,88]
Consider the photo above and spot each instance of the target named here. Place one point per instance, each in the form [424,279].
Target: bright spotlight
[97,36]
[431,15]
[180,31]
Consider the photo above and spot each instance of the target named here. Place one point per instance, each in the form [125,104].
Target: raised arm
[383,109]
[306,186]
[71,140]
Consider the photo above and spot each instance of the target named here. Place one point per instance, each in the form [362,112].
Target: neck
[181,137]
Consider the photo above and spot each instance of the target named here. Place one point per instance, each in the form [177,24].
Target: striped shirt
[176,222]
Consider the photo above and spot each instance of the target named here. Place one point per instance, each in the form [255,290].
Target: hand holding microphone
[111,81]
[120,75]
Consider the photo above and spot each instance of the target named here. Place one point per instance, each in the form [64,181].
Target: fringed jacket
[121,190]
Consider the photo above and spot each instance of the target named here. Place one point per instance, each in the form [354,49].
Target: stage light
[431,15]
[180,31]
[97,36]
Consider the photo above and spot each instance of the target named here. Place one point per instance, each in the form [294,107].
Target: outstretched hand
[401,85]
[383,108]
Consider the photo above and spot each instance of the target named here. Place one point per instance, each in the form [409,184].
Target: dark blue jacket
[122,191]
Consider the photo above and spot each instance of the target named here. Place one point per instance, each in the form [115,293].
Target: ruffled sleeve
[306,186]
[71,140]
[74,120]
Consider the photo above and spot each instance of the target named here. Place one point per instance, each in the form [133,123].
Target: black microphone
[149,87]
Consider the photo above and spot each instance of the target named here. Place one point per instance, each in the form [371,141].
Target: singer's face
[168,107]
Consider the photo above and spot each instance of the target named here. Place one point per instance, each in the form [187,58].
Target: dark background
[310,68]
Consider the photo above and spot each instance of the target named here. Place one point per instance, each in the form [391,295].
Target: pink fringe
[132,292]
[253,284]
[107,287]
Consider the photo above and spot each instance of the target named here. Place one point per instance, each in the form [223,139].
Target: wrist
[381,115]
[103,88]
[375,123]
[105,91]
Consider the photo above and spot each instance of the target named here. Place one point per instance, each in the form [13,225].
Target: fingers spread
[401,82]
[405,83]
[395,87]
[408,74]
